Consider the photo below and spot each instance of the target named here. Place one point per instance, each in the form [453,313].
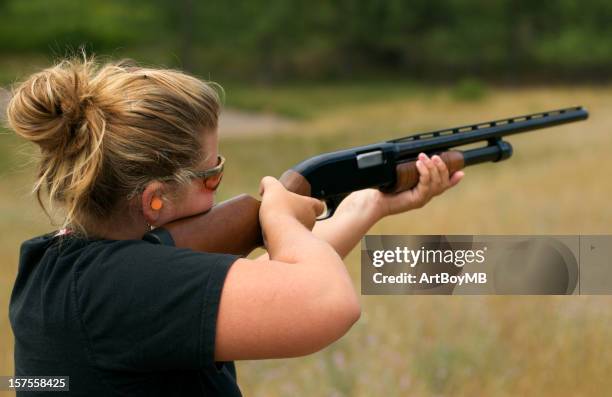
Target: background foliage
[507,40]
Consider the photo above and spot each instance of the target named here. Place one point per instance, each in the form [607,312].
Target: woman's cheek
[202,201]
[208,201]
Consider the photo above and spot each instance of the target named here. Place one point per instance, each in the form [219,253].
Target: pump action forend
[233,226]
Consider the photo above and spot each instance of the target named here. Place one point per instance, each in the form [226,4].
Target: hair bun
[54,107]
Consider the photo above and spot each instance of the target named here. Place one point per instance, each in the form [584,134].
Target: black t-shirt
[120,317]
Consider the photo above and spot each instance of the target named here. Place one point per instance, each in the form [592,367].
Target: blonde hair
[106,131]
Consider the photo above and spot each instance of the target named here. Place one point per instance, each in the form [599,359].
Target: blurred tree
[279,39]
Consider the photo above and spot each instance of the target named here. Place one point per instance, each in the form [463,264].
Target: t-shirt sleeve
[150,307]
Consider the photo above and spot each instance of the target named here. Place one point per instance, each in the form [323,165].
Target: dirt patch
[238,123]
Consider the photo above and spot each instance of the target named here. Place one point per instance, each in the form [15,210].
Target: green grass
[556,183]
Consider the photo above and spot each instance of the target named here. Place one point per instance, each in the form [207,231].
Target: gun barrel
[451,137]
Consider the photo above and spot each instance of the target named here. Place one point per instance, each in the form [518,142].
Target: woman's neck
[119,228]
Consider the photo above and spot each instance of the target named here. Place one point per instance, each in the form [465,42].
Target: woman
[124,149]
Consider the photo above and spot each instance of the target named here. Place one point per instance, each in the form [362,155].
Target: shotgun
[233,226]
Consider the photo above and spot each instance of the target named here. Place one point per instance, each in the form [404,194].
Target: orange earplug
[156,204]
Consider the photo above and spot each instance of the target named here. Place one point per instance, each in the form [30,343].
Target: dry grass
[558,182]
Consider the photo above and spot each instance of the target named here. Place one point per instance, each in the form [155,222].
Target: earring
[149,226]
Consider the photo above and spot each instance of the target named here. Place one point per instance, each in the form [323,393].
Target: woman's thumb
[318,206]
[267,183]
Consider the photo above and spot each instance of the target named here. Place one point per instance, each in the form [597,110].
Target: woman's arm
[295,303]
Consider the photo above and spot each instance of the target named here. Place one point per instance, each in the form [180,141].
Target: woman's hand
[277,202]
[434,179]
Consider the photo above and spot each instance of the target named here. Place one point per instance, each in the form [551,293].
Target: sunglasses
[212,176]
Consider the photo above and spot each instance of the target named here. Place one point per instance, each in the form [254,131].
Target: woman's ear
[153,203]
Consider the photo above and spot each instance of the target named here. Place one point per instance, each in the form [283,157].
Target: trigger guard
[328,211]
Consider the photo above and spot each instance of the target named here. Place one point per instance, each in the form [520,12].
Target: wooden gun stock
[232,226]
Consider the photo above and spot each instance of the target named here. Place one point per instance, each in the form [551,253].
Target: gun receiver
[389,166]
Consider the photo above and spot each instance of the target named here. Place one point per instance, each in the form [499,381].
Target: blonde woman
[122,149]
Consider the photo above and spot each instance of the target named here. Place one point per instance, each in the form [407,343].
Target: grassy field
[558,182]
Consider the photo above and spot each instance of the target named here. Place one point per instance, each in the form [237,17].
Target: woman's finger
[456,178]
[435,176]
[424,179]
[443,170]
[318,206]
[269,183]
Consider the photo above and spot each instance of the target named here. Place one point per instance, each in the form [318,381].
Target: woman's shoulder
[135,255]
[126,276]
[97,254]
[34,249]
[41,242]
